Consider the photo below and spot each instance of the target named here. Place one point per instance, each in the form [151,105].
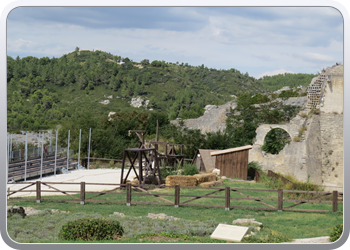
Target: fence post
[82,193]
[177,195]
[280,200]
[38,191]
[227,198]
[128,194]
[335,201]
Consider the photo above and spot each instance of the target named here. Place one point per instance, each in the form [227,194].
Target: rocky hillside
[214,118]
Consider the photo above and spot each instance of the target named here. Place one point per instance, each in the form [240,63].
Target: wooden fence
[226,200]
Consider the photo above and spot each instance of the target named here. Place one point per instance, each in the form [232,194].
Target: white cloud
[275,72]
[20,44]
[316,57]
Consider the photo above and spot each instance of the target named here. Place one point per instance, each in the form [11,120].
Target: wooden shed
[204,160]
[233,162]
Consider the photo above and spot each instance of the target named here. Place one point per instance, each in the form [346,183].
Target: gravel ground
[324,239]
[75,176]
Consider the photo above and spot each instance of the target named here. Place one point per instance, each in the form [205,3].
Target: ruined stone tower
[317,155]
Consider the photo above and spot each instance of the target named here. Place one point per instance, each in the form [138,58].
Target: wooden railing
[142,191]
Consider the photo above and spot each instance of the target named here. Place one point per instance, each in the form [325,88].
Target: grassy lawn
[197,222]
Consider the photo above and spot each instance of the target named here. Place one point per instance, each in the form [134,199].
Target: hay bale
[135,182]
[211,183]
[182,180]
[205,177]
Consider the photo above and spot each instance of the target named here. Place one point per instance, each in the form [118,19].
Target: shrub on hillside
[91,230]
[336,232]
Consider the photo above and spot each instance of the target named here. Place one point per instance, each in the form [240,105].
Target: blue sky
[257,40]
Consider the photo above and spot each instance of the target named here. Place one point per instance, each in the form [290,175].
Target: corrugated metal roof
[230,150]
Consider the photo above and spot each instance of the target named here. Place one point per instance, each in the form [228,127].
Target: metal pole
[42,151]
[79,148]
[25,158]
[11,149]
[68,149]
[89,149]
[39,144]
[50,150]
[157,131]
[8,155]
[56,153]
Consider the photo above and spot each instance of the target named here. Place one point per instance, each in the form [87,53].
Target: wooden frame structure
[169,157]
[141,135]
[139,152]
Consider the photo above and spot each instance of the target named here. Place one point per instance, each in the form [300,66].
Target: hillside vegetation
[45,92]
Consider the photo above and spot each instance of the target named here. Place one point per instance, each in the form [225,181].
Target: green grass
[194,219]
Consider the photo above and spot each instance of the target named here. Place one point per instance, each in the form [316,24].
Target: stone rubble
[161,216]
[246,221]
[27,211]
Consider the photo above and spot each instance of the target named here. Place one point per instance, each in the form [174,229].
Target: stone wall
[318,157]
[331,126]
[292,158]
[314,150]
[333,91]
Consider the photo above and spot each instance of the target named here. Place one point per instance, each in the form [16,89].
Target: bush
[91,230]
[275,141]
[165,172]
[190,170]
[336,232]
[296,139]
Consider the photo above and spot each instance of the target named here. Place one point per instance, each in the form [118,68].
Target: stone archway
[262,131]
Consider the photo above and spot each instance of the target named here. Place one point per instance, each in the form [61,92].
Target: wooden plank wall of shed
[233,164]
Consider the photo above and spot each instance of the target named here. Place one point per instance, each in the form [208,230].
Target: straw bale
[182,180]
[205,177]
[135,182]
[211,183]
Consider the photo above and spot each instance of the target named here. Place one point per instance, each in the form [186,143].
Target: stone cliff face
[213,120]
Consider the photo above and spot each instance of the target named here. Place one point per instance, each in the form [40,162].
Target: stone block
[229,233]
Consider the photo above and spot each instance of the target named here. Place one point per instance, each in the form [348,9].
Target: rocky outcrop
[214,117]
[105,102]
[213,120]
[138,102]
